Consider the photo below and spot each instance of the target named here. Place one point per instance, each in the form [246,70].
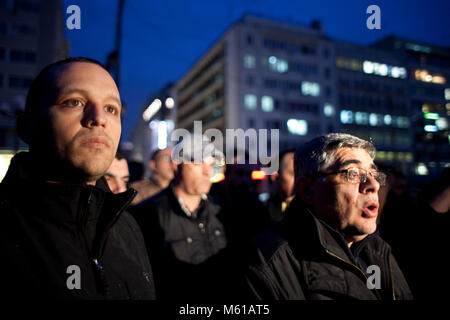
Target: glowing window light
[361,118]
[298,127]
[151,110]
[162,135]
[267,103]
[249,61]
[447,93]
[387,119]
[373,119]
[328,110]
[431,116]
[310,88]
[431,128]
[368,67]
[170,103]
[442,124]
[421,169]
[346,116]
[250,101]
[258,175]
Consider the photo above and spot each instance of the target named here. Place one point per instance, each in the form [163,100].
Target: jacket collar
[302,226]
[61,202]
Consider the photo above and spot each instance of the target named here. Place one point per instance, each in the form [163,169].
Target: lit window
[250,101]
[277,64]
[298,127]
[387,119]
[346,116]
[310,88]
[442,123]
[361,118]
[267,103]
[421,169]
[374,119]
[328,110]
[426,76]
[249,61]
[447,93]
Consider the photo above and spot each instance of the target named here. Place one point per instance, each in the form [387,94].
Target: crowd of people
[337,224]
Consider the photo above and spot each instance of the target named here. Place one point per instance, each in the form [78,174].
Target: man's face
[349,207]
[285,180]
[118,176]
[163,165]
[84,118]
[195,179]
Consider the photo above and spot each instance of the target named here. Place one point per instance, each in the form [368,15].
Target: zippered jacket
[68,241]
[185,251]
[302,258]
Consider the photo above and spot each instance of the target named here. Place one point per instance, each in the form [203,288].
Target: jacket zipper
[355,267]
[102,242]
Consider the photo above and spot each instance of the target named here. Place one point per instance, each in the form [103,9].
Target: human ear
[152,165]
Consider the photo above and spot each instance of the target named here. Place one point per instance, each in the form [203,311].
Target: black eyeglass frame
[381,177]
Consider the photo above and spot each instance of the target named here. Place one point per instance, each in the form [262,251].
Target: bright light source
[170,103]
[442,124]
[431,128]
[258,175]
[272,60]
[447,93]
[310,88]
[162,135]
[217,177]
[368,67]
[346,116]
[431,115]
[387,119]
[267,103]
[361,118]
[151,110]
[373,119]
[328,110]
[250,101]
[298,127]
[421,169]
[383,70]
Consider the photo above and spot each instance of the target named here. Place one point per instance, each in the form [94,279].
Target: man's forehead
[345,156]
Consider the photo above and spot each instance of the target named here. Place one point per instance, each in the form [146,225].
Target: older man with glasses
[328,246]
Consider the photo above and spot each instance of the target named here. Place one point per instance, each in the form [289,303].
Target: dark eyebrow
[351,161]
[354,161]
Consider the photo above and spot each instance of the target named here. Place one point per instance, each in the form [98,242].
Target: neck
[163,183]
[190,201]
[57,171]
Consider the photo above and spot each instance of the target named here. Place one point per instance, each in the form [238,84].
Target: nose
[94,115]
[371,185]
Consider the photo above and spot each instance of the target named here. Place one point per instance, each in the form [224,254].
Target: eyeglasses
[358,175]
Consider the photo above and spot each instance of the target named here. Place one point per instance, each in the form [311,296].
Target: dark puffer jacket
[48,230]
[302,258]
[184,251]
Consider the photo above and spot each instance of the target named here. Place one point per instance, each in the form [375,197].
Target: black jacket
[48,230]
[303,258]
[184,251]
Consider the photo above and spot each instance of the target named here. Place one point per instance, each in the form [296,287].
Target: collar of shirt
[193,213]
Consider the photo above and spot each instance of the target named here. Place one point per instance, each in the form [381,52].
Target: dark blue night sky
[162,39]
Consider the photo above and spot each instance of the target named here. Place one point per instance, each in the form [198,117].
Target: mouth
[370,210]
[96,142]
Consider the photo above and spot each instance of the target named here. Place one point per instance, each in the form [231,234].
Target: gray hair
[319,153]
